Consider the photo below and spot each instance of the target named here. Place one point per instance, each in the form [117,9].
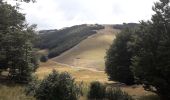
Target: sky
[57,14]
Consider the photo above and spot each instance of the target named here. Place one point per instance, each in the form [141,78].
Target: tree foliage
[118,59]
[152,62]
[16,43]
[100,91]
[44,58]
[97,91]
[150,58]
[57,86]
[125,26]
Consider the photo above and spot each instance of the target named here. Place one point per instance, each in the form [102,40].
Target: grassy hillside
[58,41]
[90,52]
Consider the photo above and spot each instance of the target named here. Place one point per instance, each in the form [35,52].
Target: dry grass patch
[79,74]
[13,92]
[136,91]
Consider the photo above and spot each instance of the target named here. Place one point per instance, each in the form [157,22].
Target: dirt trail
[78,68]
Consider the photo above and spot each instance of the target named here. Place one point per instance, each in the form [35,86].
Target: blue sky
[56,14]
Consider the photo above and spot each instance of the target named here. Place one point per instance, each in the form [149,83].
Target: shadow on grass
[5,81]
[149,97]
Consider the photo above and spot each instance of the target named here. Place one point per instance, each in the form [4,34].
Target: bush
[44,58]
[32,86]
[57,86]
[117,94]
[97,90]
[35,61]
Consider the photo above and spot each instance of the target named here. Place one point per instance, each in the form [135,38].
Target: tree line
[125,25]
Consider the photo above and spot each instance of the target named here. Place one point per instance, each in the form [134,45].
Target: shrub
[57,86]
[97,90]
[44,58]
[117,94]
[32,86]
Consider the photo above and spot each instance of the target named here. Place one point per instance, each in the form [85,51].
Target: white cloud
[50,14]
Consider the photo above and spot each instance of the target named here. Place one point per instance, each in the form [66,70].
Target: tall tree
[118,59]
[152,62]
[16,43]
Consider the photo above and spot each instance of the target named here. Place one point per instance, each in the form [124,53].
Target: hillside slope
[90,52]
[59,41]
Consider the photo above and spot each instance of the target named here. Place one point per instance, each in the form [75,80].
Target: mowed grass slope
[90,52]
